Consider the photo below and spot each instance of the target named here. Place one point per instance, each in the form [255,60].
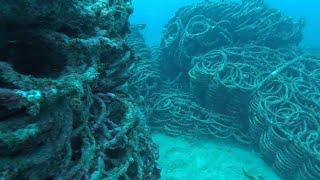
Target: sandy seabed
[209,160]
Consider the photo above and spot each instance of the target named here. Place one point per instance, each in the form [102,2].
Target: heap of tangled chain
[64,111]
[234,70]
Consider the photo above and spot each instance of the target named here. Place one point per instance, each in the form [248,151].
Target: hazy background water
[156,13]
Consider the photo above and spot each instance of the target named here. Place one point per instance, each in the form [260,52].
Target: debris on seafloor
[253,173]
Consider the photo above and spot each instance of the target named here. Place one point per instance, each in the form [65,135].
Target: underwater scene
[162,89]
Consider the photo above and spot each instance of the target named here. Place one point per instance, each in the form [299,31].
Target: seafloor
[204,159]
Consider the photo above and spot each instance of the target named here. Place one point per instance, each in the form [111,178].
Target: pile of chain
[197,29]
[145,74]
[178,114]
[272,95]
[285,121]
[64,113]
[235,71]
